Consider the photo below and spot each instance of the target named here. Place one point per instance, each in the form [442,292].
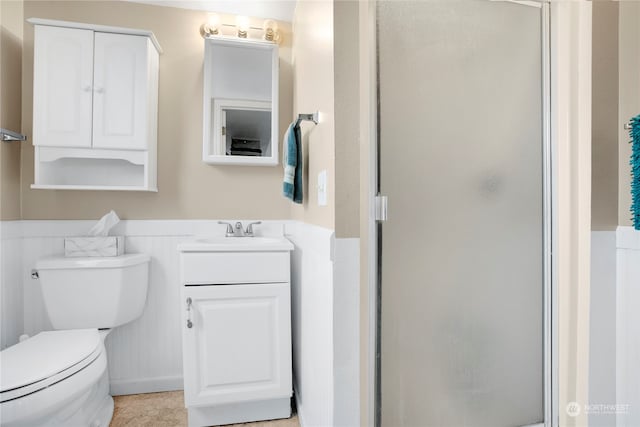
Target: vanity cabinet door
[121,91]
[62,87]
[239,345]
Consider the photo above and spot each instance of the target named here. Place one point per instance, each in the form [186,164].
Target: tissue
[98,242]
[105,224]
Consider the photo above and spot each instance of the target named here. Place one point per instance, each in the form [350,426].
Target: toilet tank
[94,292]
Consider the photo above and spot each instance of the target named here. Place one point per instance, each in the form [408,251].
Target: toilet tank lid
[44,355]
[59,263]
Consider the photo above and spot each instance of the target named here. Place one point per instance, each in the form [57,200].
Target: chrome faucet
[237,230]
[230,232]
[249,231]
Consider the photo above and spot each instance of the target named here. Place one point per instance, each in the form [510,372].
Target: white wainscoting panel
[11,295]
[346,332]
[146,355]
[628,326]
[602,323]
[312,322]
[325,281]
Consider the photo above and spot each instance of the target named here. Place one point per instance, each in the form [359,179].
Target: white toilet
[59,378]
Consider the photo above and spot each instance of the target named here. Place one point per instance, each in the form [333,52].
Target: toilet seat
[46,359]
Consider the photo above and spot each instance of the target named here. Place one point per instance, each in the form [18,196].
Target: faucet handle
[229,228]
[249,231]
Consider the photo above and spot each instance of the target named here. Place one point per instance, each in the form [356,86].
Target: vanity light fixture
[270,28]
[213,27]
[242,23]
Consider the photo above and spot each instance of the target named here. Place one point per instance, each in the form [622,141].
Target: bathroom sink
[236,244]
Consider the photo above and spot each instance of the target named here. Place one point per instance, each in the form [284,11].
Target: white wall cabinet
[95,107]
[236,335]
[240,102]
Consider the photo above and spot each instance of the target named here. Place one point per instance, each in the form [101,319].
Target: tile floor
[167,410]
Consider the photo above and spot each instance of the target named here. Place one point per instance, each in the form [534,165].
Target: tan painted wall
[188,188]
[326,67]
[313,91]
[10,105]
[629,103]
[605,125]
[347,110]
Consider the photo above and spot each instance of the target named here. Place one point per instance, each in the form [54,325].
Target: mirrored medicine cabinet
[240,102]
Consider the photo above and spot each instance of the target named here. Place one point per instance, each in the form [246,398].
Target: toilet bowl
[59,378]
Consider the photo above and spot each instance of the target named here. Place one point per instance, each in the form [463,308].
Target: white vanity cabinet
[95,101]
[236,324]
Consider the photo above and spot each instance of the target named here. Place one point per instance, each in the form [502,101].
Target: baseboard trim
[240,412]
[145,385]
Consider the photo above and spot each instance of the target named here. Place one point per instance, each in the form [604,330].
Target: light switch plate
[322,188]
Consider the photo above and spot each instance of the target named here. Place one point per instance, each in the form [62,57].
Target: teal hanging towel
[635,171]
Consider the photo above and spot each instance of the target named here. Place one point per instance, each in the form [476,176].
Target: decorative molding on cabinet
[98,28]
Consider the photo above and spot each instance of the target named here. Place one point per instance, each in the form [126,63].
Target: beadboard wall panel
[11,295]
[628,327]
[312,322]
[602,324]
[146,354]
[346,332]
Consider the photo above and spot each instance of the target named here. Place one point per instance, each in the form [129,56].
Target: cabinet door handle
[189,322]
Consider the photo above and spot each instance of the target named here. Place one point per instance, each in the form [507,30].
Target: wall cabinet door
[121,91]
[62,87]
[239,346]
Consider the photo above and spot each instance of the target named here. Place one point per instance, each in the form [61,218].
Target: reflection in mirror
[245,128]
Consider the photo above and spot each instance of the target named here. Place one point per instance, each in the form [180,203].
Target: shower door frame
[550,241]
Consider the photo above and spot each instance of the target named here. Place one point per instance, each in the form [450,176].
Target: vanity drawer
[235,267]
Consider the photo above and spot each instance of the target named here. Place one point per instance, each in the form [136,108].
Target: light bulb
[242,23]
[270,30]
[212,26]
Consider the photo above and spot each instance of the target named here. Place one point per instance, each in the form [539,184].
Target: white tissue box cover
[93,246]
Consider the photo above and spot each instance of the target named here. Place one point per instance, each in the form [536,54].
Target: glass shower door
[462,260]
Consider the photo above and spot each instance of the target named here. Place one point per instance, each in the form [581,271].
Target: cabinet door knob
[189,322]
[99,89]
[87,88]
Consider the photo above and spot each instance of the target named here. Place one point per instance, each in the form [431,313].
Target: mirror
[240,102]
